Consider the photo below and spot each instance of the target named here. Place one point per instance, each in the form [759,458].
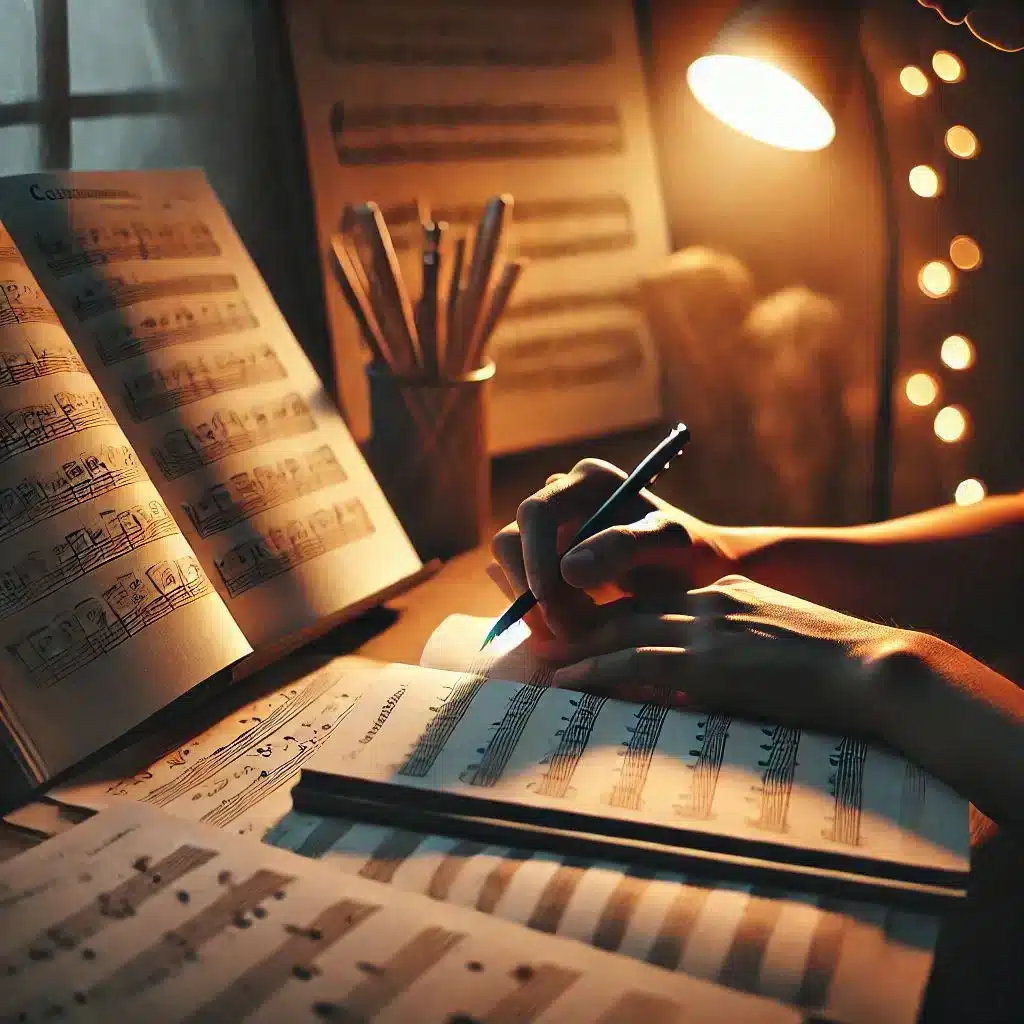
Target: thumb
[612,554]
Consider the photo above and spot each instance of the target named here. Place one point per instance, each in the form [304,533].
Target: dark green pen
[643,476]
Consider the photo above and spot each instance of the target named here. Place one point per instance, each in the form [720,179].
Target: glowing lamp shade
[760,100]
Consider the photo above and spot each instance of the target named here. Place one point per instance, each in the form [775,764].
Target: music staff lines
[22,303]
[706,768]
[779,768]
[572,742]
[113,534]
[846,784]
[447,716]
[33,426]
[32,361]
[126,241]
[282,548]
[228,432]
[121,292]
[174,325]
[9,252]
[506,735]
[637,754]
[99,624]
[91,475]
[264,487]
[159,391]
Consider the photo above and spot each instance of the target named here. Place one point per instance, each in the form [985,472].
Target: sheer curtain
[126,84]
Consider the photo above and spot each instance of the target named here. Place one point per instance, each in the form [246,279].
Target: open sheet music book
[475,744]
[178,495]
[137,915]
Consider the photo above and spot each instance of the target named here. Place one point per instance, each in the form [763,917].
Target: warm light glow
[947,66]
[962,142]
[950,423]
[922,389]
[969,492]
[936,279]
[914,80]
[957,352]
[924,180]
[965,253]
[759,100]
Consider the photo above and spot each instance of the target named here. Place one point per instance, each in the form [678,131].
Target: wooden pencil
[358,300]
[495,306]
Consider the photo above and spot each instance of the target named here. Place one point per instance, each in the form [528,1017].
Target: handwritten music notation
[262,488]
[122,292]
[33,426]
[778,772]
[502,742]
[127,240]
[455,702]
[706,767]
[283,548]
[846,783]
[92,474]
[179,324]
[159,391]
[9,252]
[228,432]
[113,533]
[22,302]
[98,625]
[33,360]
[637,754]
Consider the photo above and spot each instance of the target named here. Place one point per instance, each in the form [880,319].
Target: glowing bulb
[965,253]
[924,181]
[922,389]
[761,101]
[950,424]
[962,142]
[936,279]
[969,492]
[914,80]
[957,352]
[947,66]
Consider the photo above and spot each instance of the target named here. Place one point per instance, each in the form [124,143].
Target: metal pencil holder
[429,451]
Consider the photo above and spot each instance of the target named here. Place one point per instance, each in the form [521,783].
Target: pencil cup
[428,449]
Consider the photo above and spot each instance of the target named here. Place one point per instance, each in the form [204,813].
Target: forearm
[956,718]
[952,572]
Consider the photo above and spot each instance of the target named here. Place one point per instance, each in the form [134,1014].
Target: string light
[914,81]
[957,352]
[969,492]
[921,389]
[962,142]
[936,279]
[947,66]
[924,181]
[965,253]
[950,424]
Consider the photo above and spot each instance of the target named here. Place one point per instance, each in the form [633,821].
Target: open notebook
[477,745]
[136,915]
[178,494]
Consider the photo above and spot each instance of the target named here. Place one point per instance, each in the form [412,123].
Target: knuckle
[506,543]
[532,512]
[593,467]
[731,581]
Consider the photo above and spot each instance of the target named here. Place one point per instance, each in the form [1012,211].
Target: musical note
[159,391]
[455,704]
[282,548]
[8,250]
[121,241]
[101,623]
[122,292]
[705,769]
[507,733]
[110,535]
[572,741]
[33,426]
[22,302]
[779,768]
[228,432]
[638,752]
[92,474]
[170,325]
[266,486]
[846,783]
[34,360]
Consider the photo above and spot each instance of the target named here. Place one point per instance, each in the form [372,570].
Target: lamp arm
[882,463]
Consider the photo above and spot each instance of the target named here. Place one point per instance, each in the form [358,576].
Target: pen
[643,476]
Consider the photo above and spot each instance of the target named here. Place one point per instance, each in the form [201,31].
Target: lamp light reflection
[914,81]
[947,66]
[965,253]
[936,279]
[957,352]
[950,424]
[969,492]
[962,142]
[921,389]
[924,181]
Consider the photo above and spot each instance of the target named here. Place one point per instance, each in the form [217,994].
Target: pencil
[498,301]
[426,312]
[359,302]
[451,341]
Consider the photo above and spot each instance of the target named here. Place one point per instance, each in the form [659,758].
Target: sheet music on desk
[142,916]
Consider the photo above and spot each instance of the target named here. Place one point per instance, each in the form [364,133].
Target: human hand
[996,22]
[740,648]
[659,550]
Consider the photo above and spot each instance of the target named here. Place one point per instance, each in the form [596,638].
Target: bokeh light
[965,253]
[950,423]
[936,279]
[924,181]
[957,352]
[969,492]
[947,66]
[921,389]
[914,80]
[962,142]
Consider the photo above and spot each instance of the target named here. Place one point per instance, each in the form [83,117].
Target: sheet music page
[106,614]
[141,916]
[526,746]
[213,390]
[451,102]
[238,773]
